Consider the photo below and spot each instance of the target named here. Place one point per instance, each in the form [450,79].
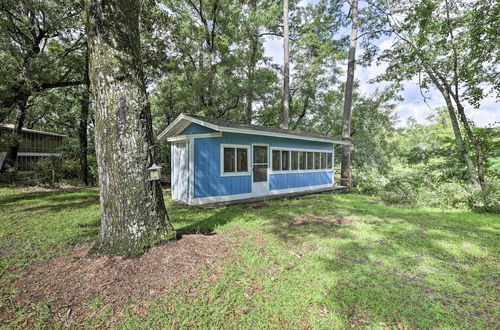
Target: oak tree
[133,213]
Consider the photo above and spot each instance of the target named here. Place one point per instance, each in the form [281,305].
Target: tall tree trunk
[10,161]
[446,90]
[459,140]
[82,131]
[254,43]
[462,149]
[473,139]
[345,171]
[133,213]
[286,67]
[455,95]
[250,78]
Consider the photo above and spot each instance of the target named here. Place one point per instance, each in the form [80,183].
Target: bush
[401,189]
[487,200]
[415,188]
[49,170]
[371,183]
[443,195]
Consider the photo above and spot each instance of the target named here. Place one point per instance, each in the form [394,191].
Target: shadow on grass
[417,267]
[53,196]
[191,220]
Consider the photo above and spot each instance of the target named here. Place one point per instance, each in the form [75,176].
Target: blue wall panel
[196,129]
[296,180]
[207,178]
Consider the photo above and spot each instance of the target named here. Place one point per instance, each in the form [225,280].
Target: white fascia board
[39,154]
[202,123]
[188,120]
[283,135]
[169,127]
[193,136]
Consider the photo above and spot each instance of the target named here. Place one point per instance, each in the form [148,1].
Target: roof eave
[171,131]
[181,123]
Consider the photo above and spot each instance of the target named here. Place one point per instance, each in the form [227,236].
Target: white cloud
[273,48]
[413,104]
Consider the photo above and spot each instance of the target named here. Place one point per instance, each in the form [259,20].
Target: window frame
[235,147]
[299,170]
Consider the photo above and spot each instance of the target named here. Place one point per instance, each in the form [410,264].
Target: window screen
[329,160]
[323,160]
[317,160]
[242,160]
[276,160]
[229,159]
[302,160]
[295,161]
[285,160]
[310,160]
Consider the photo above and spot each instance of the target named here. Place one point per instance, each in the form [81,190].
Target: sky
[413,104]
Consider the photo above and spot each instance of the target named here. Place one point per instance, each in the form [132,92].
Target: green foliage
[215,55]
[41,45]
[424,168]
[56,170]
[487,200]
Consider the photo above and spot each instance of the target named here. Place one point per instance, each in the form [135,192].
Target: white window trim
[234,146]
[299,170]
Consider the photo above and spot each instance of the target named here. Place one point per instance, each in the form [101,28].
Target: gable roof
[183,121]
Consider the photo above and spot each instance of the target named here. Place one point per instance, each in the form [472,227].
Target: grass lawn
[320,261]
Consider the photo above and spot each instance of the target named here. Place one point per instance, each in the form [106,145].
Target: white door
[260,168]
[180,170]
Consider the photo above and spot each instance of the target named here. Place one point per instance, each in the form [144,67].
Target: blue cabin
[216,160]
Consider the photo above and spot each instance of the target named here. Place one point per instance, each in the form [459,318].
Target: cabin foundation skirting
[227,198]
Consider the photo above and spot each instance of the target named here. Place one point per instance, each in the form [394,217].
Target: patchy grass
[321,261]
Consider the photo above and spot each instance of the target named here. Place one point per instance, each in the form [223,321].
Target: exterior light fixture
[154,172]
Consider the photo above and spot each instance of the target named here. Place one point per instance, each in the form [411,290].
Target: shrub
[487,200]
[444,195]
[93,171]
[49,170]
[401,189]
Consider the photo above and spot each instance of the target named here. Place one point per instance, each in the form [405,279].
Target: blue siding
[207,178]
[196,129]
[296,180]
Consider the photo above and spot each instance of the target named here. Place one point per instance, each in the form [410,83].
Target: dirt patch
[322,220]
[402,205]
[241,234]
[71,282]
[36,189]
[257,205]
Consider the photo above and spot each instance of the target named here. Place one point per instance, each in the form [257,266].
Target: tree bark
[462,149]
[82,131]
[133,213]
[459,140]
[461,111]
[473,139]
[254,41]
[250,93]
[345,171]
[10,162]
[286,67]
